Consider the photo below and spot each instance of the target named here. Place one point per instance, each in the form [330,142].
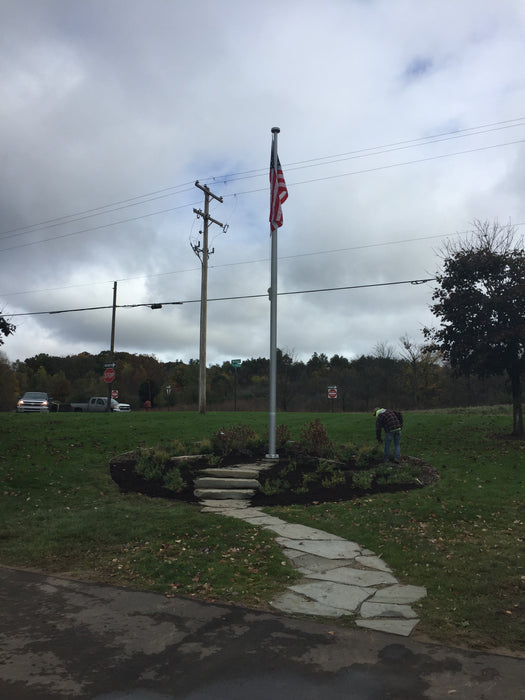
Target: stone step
[231,472]
[238,482]
[226,506]
[209,482]
[223,494]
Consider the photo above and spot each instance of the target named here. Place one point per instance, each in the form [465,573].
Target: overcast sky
[401,123]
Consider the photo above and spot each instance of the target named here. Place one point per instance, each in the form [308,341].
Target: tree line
[407,377]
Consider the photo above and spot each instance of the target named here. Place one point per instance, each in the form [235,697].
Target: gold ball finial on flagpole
[275,130]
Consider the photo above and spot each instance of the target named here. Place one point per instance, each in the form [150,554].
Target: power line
[242,175]
[247,262]
[431,138]
[263,189]
[159,304]
[390,166]
[97,228]
[61,221]
[380,150]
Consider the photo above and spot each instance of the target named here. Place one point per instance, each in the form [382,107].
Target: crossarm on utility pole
[207,191]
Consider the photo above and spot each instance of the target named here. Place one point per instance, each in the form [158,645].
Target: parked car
[97,404]
[33,402]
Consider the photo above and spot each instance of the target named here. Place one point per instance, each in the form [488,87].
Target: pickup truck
[97,404]
[33,402]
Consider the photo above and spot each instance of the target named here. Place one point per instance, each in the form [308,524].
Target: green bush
[326,475]
[330,474]
[366,456]
[173,480]
[363,479]
[204,446]
[346,453]
[176,447]
[397,475]
[271,487]
[333,480]
[151,463]
[310,480]
[289,469]
[154,466]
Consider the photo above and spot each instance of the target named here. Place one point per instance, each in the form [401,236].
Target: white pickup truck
[97,404]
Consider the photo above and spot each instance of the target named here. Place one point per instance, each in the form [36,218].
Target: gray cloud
[127,104]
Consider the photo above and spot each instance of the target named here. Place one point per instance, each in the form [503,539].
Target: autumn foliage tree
[480,300]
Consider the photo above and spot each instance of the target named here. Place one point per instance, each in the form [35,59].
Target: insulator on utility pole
[203,253]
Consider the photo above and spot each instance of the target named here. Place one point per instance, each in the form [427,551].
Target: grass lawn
[461,538]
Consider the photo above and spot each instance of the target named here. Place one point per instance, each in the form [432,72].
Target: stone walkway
[340,577]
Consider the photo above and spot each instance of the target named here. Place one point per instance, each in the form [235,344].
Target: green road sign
[236,363]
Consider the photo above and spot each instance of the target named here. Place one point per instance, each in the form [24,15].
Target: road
[66,639]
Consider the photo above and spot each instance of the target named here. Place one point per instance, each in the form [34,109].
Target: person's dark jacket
[388,420]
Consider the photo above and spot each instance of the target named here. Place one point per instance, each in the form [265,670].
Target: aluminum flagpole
[278,194]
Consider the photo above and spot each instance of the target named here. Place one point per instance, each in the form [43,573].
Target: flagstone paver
[339,577]
[352,577]
[332,549]
[298,532]
[369,609]
[400,594]
[338,595]
[306,563]
[300,604]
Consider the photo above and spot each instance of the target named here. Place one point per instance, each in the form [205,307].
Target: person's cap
[376,411]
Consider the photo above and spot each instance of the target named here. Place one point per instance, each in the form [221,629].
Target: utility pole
[112,349]
[203,253]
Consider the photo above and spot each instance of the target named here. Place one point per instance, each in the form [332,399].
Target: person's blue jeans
[394,435]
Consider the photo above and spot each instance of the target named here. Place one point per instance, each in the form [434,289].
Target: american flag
[278,193]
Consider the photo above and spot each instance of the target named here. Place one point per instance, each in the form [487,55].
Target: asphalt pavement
[67,639]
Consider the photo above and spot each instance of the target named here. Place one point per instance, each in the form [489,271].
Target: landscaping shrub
[314,440]
[363,480]
[282,436]
[151,463]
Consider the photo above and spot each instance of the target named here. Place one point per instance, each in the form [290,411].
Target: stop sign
[109,375]
[332,392]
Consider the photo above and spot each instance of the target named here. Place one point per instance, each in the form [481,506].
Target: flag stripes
[278,192]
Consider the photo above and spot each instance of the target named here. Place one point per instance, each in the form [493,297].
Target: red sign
[109,375]
[332,392]
[114,394]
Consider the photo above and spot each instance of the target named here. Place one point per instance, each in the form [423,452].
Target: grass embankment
[462,538]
